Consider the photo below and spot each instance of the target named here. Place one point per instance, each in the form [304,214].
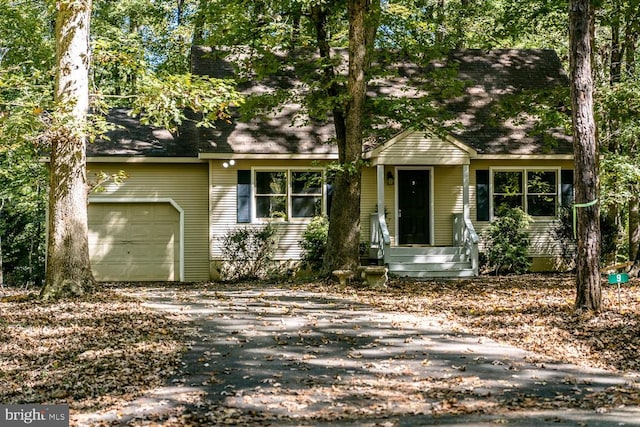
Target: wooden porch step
[453,274]
[426,250]
[443,266]
[427,259]
[429,262]
[426,255]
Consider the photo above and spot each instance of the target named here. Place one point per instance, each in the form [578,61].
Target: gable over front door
[414,210]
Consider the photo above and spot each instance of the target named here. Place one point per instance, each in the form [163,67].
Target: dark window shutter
[244,196]
[329,190]
[482,195]
[566,187]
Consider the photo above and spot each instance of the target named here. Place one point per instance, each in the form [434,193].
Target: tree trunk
[1,269]
[68,268]
[634,235]
[586,182]
[198,24]
[613,210]
[1,266]
[344,225]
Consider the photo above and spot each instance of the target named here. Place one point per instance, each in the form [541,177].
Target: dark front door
[413,207]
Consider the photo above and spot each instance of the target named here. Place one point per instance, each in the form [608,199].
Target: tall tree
[68,267]
[586,181]
[344,226]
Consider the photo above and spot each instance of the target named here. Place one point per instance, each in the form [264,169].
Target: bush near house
[248,252]
[314,243]
[507,242]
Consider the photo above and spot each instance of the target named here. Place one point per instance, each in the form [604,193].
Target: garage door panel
[134,241]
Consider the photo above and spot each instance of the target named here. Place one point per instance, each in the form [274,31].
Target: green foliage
[314,242]
[163,101]
[248,252]
[507,242]
[562,233]
[619,179]
[24,96]
[25,35]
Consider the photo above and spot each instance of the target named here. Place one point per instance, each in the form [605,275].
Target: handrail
[472,231]
[380,237]
[471,243]
[464,234]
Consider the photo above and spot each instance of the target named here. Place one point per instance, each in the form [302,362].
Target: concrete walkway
[278,356]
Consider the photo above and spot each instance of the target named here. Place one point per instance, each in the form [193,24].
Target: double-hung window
[533,190]
[288,193]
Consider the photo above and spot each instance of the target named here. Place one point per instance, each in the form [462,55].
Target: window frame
[289,171]
[525,193]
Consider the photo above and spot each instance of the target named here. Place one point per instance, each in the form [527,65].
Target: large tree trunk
[68,268]
[634,235]
[344,226]
[586,182]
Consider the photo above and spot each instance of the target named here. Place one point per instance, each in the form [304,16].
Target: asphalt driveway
[283,356]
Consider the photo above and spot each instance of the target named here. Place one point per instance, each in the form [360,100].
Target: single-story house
[426,194]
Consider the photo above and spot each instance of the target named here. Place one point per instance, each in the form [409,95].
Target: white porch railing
[380,238]
[465,235]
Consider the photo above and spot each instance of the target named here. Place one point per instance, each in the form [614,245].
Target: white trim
[288,195]
[524,170]
[556,157]
[461,145]
[430,169]
[141,159]
[106,199]
[268,156]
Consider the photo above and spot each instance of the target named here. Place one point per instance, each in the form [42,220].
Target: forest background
[140,46]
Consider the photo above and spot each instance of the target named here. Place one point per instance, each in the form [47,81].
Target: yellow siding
[447,200]
[543,243]
[223,209]
[368,202]
[186,184]
[420,148]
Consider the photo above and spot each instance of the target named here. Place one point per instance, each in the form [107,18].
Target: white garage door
[134,241]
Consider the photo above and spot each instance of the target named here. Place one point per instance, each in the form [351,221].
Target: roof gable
[413,147]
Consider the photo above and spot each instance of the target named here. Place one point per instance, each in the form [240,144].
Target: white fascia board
[141,159]
[268,156]
[524,157]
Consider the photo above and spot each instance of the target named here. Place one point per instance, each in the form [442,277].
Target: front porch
[425,261]
[427,182]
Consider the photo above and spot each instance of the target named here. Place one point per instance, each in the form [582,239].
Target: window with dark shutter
[567,187]
[244,196]
[482,195]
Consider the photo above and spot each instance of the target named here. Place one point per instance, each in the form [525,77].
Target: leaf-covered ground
[101,352]
[533,312]
[91,354]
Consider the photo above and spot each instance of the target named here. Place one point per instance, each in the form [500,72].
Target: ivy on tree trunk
[68,268]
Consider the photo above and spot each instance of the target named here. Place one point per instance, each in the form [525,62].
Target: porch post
[380,187]
[466,210]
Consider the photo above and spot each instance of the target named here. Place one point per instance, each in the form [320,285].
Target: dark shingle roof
[495,78]
[130,138]
[476,115]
